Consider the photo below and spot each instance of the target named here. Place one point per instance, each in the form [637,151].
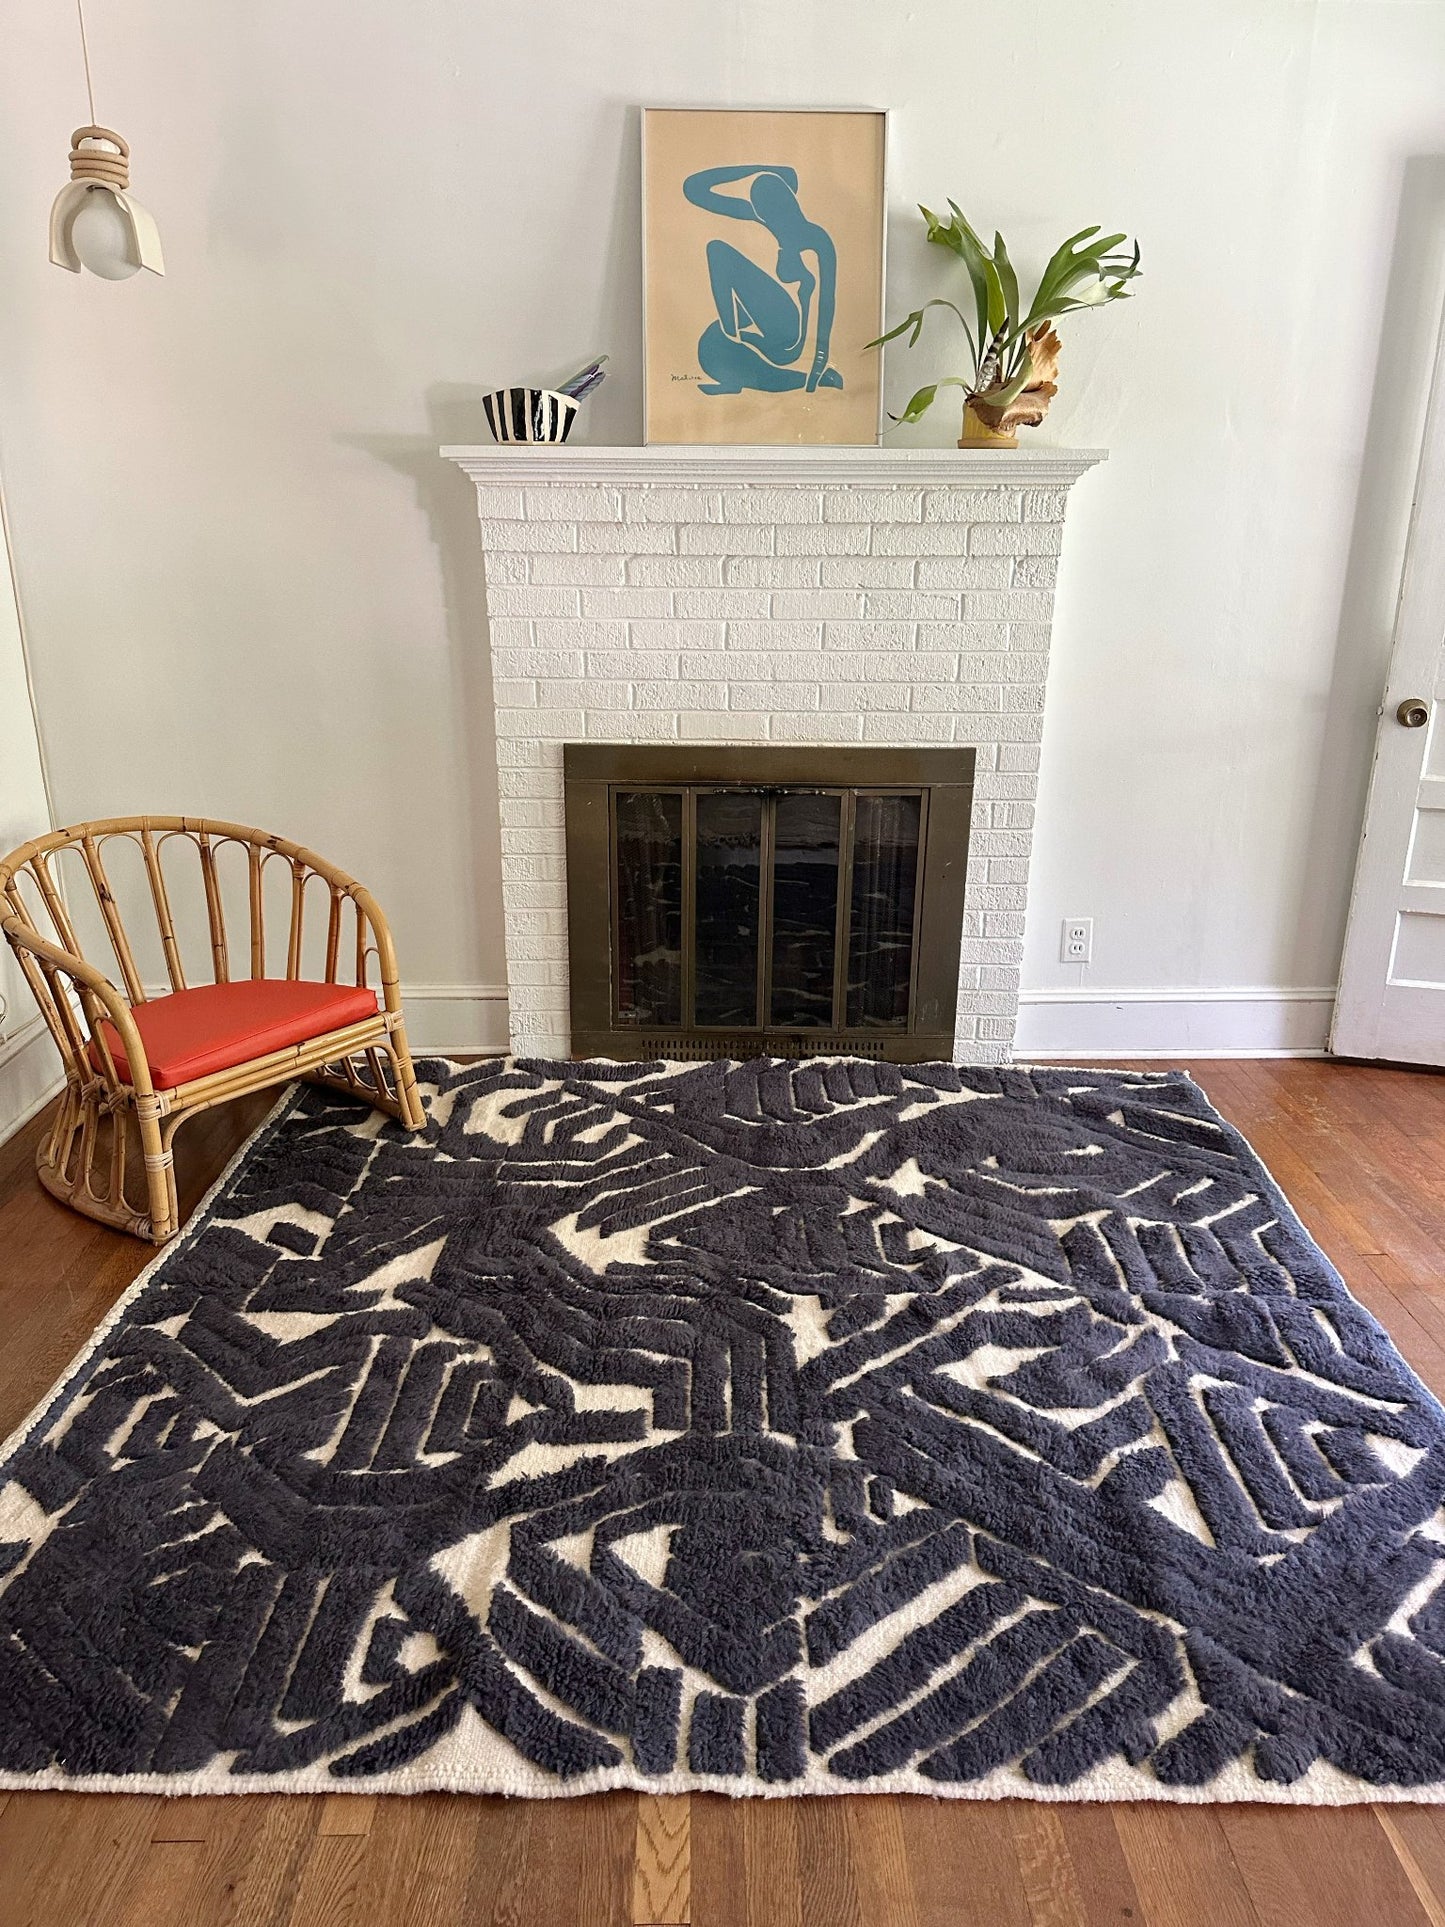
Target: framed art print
[762,273]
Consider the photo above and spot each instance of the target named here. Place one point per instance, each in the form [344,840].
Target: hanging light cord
[85,55]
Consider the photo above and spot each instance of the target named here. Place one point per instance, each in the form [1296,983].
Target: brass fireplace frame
[594,772]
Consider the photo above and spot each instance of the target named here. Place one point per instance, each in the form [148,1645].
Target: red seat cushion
[192,1033]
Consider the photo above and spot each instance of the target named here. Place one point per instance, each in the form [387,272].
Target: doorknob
[1413,713]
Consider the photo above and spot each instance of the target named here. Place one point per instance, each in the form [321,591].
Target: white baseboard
[29,1075]
[1261,1021]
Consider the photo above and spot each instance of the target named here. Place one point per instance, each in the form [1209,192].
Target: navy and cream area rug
[772,1428]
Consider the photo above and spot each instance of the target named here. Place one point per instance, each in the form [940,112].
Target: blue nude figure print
[761,338]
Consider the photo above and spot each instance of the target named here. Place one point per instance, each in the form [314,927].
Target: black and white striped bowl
[529,414]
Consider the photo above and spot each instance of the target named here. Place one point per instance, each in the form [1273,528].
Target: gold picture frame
[763,262]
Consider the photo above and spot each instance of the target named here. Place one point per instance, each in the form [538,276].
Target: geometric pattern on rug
[776,1427]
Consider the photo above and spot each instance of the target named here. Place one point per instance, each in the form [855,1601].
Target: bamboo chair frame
[82,1160]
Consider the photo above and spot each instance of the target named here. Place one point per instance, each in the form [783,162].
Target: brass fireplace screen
[777,901]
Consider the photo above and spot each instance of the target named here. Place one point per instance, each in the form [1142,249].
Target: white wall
[254,591]
[29,1066]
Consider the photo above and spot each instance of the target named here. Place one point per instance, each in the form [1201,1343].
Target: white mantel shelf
[738,465]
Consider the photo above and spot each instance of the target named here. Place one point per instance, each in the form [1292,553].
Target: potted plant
[1013,352]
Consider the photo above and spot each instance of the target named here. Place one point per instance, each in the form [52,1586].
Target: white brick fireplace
[769,595]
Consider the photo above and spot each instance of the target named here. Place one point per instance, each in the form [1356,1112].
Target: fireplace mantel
[789,596]
[722,466]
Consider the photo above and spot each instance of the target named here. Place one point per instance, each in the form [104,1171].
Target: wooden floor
[1361,1153]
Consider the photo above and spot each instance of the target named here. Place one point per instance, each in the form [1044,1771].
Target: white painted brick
[557,502]
[1003,843]
[674,633]
[502,567]
[508,632]
[1014,816]
[979,640]
[548,869]
[1008,869]
[910,604]
[772,572]
[810,728]
[585,692]
[708,727]
[861,696]
[673,505]
[626,538]
[528,538]
[835,538]
[572,571]
[998,977]
[773,505]
[1023,696]
[1008,605]
[517,753]
[965,572]
[919,665]
[870,635]
[915,540]
[513,692]
[731,538]
[628,602]
[529,600]
[1017,757]
[675,571]
[775,633]
[529,783]
[971,505]
[906,729]
[951,698]
[1044,504]
[583,633]
[536,662]
[1031,636]
[684,693]
[872,505]
[867,572]
[632,665]
[773,695]
[1023,538]
[824,603]
[499,502]
[746,665]
[630,726]
[730,604]
[1035,571]
[1003,923]
[518,840]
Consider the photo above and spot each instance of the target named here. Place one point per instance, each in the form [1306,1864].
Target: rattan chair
[152,1058]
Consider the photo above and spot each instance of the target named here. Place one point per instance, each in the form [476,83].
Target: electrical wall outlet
[1077,943]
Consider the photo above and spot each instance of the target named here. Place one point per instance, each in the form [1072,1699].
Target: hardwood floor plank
[326,1894]
[71,1857]
[1046,1866]
[1105,1882]
[878,1853]
[1417,1835]
[1320,1867]
[1182,1867]
[346,1813]
[661,1880]
[964,1865]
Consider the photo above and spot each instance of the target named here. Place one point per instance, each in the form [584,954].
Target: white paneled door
[1392,981]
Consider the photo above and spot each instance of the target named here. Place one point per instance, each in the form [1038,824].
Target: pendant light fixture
[96,222]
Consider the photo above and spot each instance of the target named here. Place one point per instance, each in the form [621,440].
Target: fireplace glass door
[775,916]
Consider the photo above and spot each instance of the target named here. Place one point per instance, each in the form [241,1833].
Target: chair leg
[79,1168]
[160,1169]
[408,1098]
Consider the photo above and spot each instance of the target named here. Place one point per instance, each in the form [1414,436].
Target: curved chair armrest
[91,983]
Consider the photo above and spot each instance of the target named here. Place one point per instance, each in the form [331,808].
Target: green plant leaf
[923,400]
[1008,278]
[915,321]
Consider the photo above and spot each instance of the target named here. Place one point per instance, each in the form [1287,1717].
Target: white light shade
[103,238]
